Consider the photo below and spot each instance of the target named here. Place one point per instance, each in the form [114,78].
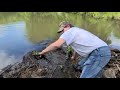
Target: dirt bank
[55,65]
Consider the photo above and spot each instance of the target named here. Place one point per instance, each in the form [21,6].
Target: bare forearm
[74,55]
[53,46]
[49,48]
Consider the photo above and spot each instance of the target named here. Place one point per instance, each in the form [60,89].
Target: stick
[118,67]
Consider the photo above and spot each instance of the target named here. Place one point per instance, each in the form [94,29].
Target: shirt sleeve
[68,37]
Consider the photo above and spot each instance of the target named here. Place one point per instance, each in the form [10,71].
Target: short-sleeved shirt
[82,41]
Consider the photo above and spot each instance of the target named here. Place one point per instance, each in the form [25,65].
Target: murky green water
[20,32]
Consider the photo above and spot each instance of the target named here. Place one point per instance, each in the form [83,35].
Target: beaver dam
[55,65]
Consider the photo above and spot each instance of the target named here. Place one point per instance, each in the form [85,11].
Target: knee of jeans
[104,61]
[89,61]
[92,73]
[99,75]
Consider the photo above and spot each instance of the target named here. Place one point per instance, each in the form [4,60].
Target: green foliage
[103,15]
[69,49]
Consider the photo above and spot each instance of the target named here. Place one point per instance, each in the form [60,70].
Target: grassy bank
[101,15]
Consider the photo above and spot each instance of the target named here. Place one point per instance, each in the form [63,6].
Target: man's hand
[41,54]
[73,58]
[37,53]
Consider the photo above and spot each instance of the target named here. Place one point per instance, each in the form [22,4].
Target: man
[95,51]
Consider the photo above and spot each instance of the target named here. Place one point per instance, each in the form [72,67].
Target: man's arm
[74,55]
[53,46]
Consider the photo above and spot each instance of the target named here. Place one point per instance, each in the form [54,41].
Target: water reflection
[13,43]
[40,28]
[6,59]
[114,40]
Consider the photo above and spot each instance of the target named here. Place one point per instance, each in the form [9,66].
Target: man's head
[64,26]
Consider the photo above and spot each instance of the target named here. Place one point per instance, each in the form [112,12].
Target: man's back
[82,41]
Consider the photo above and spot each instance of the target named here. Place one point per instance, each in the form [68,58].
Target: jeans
[93,64]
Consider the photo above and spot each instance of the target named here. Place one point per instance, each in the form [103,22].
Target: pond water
[21,32]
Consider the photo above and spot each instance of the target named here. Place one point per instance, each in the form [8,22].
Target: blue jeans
[93,64]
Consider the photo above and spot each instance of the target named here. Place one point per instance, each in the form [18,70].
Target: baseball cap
[62,25]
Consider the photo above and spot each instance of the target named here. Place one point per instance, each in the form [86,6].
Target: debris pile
[55,65]
[112,70]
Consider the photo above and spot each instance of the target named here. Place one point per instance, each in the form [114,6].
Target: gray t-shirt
[82,41]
